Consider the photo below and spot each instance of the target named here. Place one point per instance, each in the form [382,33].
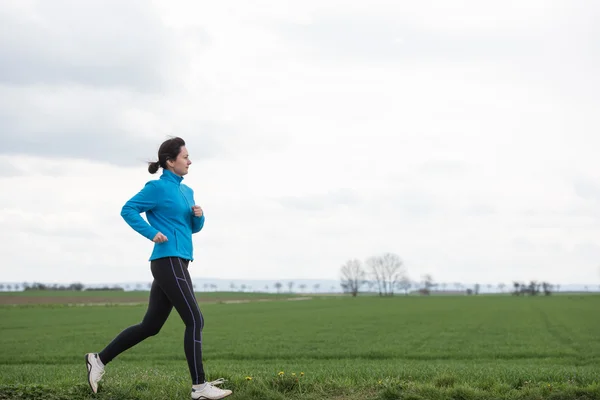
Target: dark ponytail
[153,167]
[169,150]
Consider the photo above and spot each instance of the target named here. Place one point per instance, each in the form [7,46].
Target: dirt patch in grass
[16,300]
[113,300]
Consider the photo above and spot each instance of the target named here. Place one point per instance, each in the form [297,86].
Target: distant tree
[547,288]
[1,286]
[266,288]
[278,286]
[290,285]
[37,286]
[476,288]
[376,272]
[427,284]
[533,288]
[489,286]
[517,287]
[352,277]
[232,286]
[302,287]
[316,287]
[405,285]
[386,270]
[76,286]
[501,286]
[243,287]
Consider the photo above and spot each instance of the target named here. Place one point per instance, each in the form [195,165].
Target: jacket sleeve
[145,200]
[197,223]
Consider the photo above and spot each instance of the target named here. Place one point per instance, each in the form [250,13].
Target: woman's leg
[176,283]
[159,308]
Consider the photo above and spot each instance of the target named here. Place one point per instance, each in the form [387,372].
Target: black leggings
[172,287]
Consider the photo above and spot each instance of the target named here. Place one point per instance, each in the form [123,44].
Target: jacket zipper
[189,210]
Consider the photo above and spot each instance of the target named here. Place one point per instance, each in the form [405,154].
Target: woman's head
[172,155]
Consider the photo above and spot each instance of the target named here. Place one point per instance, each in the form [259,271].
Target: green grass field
[476,347]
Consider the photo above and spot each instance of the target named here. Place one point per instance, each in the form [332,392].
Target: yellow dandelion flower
[280,373]
[301,373]
[248,378]
[380,382]
[293,374]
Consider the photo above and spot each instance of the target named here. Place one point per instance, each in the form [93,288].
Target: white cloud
[467,147]
[69,41]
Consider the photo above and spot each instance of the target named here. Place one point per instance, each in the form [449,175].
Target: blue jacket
[168,207]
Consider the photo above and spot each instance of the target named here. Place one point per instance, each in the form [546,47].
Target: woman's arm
[145,200]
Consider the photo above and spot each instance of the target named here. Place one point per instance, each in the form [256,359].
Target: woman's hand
[159,238]
[197,211]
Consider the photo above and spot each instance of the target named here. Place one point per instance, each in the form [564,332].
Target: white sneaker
[210,391]
[95,370]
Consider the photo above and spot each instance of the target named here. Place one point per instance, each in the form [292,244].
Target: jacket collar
[171,177]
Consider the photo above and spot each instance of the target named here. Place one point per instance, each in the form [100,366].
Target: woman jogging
[172,217]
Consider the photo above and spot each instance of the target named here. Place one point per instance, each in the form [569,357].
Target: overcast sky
[461,135]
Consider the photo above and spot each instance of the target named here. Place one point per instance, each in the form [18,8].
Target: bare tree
[405,284]
[387,270]
[352,276]
[291,285]
[534,288]
[427,284]
[278,286]
[517,287]
[376,273]
[547,288]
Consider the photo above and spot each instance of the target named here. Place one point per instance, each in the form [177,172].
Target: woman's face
[181,165]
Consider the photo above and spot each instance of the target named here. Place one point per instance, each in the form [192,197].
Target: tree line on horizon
[386,275]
